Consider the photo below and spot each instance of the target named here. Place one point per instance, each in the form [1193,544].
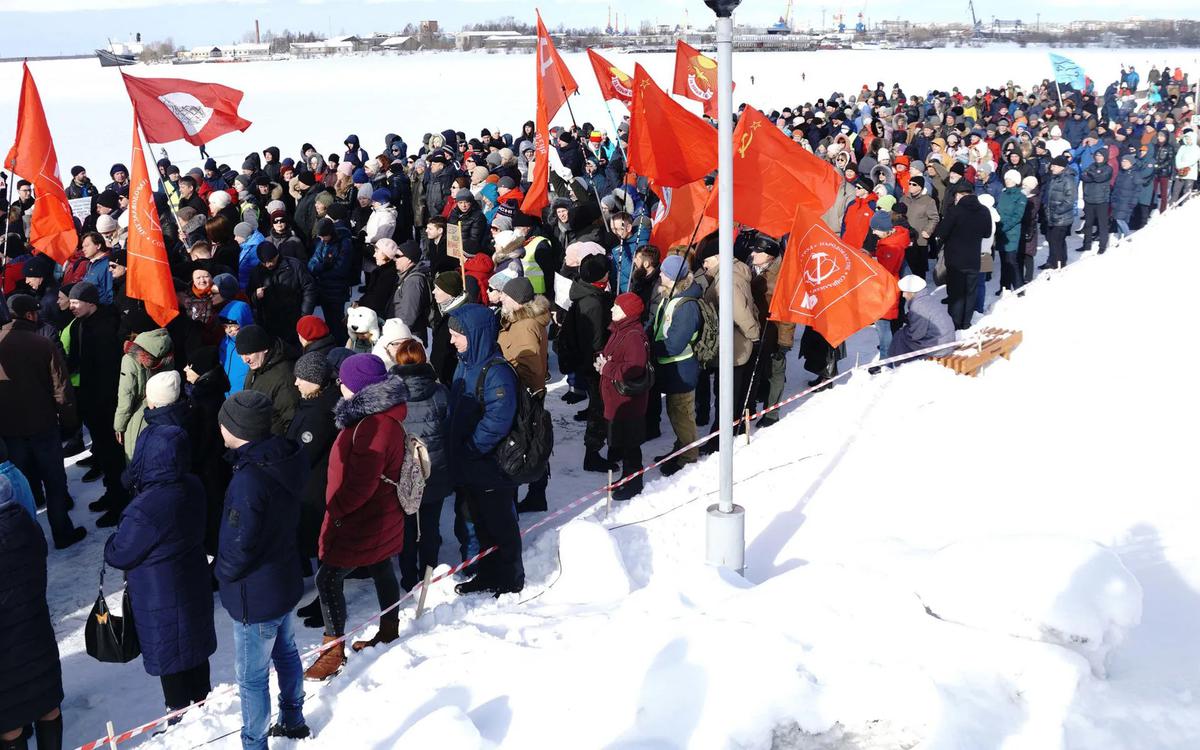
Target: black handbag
[637,386]
[111,638]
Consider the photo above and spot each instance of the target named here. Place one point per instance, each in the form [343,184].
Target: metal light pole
[726,525]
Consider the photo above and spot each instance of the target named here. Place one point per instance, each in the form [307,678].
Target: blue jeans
[1122,228]
[884,329]
[256,646]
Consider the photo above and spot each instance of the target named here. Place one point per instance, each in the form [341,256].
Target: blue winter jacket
[248,257]
[332,263]
[235,369]
[159,542]
[622,255]
[258,561]
[1126,191]
[474,428]
[355,155]
[99,274]
[21,493]
[428,404]
[1011,208]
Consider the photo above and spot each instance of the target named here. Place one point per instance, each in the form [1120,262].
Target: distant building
[510,41]
[244,51]
[341,45]
[400,44]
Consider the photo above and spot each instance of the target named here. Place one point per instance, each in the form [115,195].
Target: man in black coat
[476,236]
[583,335]
[281,291]
[961,234]
[95,356]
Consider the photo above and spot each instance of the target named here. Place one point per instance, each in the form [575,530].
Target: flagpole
[616,137]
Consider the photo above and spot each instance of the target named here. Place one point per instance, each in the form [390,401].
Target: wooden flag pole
[112,740]
[424,592]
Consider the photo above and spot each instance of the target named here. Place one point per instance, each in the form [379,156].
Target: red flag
[696,77]
[32,156]
[667,144]
[554,85]
[828,285]
[678,213]
[148,276]
[614,83]
[173,109]
[772,175]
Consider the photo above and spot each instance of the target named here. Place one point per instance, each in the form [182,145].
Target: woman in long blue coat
[31,690]
[159,542]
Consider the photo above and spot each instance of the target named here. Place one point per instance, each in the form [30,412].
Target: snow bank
[592,570]
[446,727]
[1070,592]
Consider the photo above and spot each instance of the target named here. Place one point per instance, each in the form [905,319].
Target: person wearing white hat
[928,322]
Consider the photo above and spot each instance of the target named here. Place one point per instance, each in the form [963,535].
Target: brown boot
[329,663]
[389,630]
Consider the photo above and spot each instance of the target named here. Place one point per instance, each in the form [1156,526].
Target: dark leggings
[182,689]
[330,581]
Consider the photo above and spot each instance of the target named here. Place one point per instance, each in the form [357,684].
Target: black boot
[535,500]
[49,733]
[581,416]
[301,732]
[574,397]
[20,743]
[312,609]
[593,461]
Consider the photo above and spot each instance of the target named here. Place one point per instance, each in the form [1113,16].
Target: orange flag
[554,85]
[667,144]
[679,212]
[148,276]
[828,285]
[32,156]
[696,77]
[772,175]
[614,83]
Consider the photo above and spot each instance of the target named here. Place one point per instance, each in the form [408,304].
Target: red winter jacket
[364,522]
[889,251]
[858,221]
[627,351]
[481,266]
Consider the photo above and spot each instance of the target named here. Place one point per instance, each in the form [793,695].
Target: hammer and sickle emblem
[747,139]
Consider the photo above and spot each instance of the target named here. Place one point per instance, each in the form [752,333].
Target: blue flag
[1068,71]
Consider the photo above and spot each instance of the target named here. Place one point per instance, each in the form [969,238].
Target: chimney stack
[257,40]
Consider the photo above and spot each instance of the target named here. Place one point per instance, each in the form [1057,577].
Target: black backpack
[524,454]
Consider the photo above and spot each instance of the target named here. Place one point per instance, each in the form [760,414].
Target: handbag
[637,386]
[987,264]
[939,269]
[111,638]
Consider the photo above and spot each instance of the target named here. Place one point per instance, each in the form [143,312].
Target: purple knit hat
[362,370]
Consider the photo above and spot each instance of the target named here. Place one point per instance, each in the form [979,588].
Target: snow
[320,101]
[1044,512]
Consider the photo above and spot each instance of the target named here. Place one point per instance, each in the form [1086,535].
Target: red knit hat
[631,304]
[311,328]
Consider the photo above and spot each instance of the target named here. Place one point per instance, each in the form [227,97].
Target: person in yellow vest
[674,328]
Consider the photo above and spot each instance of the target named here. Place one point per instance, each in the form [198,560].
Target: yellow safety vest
[663,325]
[531,269]
[64,337]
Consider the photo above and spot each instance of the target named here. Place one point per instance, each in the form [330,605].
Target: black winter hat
[307,178]
[865,183]
[411,250]
[109,200]
[75,170]
[313,368]
[252,339]
[20,305]
[85,291]
[449,282]
[520,290]
[958,168]
[918,180]
[593,268]
[118,167]
[1062,160]
[39,267]
[266,252]
[247,415]
[338,212]
[204,359]
[325,228]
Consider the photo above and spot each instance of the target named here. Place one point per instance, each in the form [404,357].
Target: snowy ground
[321,101]
[1014,506]
[933,561]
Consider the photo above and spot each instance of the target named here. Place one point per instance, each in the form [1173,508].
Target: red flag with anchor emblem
[828,285]
[554,85]
[148,276]
[696,77]
[32,156]
[172,109]
[772,175]
[614,83]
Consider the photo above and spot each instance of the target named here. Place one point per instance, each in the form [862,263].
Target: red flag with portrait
[696,77]
[614,83]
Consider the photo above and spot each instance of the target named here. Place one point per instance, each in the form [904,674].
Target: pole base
[726,538]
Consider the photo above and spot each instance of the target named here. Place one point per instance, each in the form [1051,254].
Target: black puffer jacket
[32,684]
[963,231]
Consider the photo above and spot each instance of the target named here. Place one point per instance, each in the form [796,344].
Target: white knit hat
[163,389]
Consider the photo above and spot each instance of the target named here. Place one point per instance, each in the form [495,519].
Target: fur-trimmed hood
[539,307]
[374,399]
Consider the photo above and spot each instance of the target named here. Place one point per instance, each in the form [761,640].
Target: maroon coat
[627,351]
[364,522]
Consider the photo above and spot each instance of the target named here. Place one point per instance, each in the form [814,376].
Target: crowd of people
[251,443]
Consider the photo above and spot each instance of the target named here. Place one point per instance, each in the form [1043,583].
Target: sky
[50,27]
